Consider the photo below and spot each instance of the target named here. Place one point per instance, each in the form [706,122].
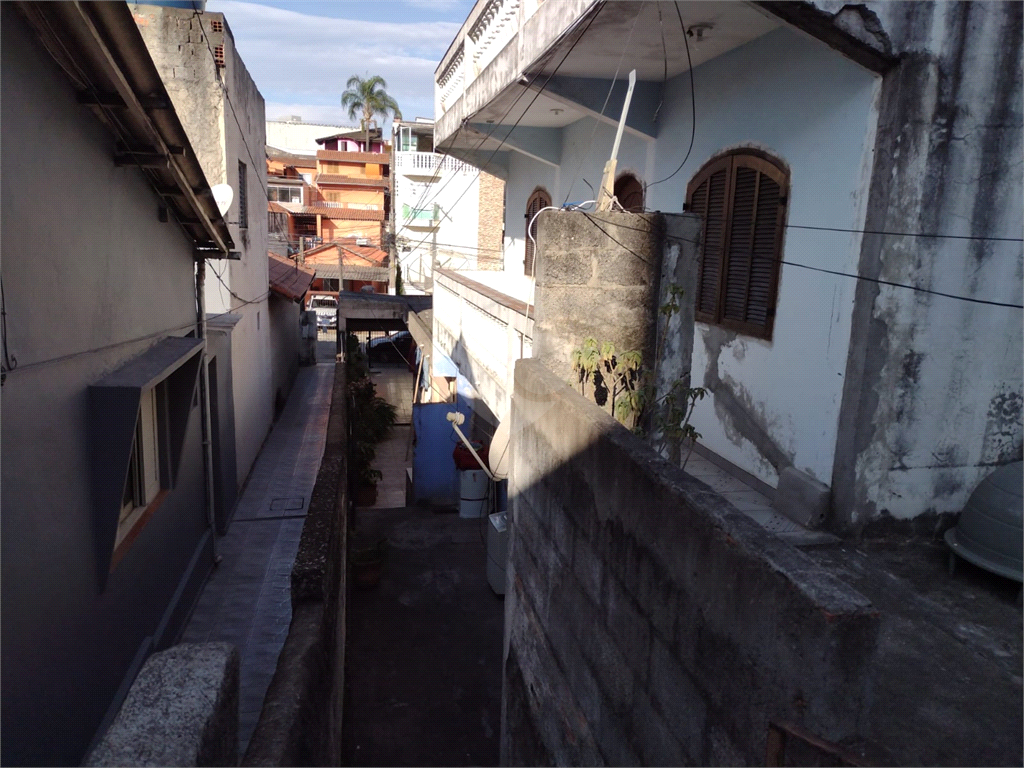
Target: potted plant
[372,419]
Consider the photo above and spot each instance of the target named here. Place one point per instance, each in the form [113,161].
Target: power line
[227,98]
[693,104]
[821,269]
[907,234]
[532,101]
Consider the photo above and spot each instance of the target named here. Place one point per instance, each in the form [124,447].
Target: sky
[301,52]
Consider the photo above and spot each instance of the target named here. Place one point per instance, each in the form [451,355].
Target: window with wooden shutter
[741,197]
[539,199]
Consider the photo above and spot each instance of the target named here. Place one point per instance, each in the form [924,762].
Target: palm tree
[369,97]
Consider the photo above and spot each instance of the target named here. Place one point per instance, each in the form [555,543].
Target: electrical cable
[227,98]
[693,106]
[664,53]
[604,106]
[532,101]
[827,271]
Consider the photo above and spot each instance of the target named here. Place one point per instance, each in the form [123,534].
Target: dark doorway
[630,193]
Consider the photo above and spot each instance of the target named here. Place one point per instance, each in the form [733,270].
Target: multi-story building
[107,526]
[291,135]
[223,112]
[445,213]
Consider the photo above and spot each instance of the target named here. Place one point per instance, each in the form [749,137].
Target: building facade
[828,354]
[107,526]
[223,112]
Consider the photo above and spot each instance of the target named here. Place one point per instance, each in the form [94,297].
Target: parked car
[397,348]
[326,307]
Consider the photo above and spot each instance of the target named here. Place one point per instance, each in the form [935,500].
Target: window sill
[122,547]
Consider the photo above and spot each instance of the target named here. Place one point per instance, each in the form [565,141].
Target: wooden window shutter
[708,199]
[539,199]
[742,199]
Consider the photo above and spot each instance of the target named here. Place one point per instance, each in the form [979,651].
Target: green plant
[371,420]
[622,385]
[368,98]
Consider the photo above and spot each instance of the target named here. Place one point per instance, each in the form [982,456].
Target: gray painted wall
[284,345]
[91,278]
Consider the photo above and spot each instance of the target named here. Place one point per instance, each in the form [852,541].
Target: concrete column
[597,276]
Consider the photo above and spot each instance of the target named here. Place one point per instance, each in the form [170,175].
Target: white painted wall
[524,175]
[816,111]
[457,193]
[224,131]
[248,277]
[300,138]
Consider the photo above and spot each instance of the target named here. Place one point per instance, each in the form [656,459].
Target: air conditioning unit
[362,241]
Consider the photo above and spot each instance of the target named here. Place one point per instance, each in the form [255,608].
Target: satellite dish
[498,456]
[223,194]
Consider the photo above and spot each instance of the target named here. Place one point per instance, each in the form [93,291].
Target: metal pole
[204,398]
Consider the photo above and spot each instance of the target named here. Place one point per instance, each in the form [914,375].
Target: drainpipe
[204,398]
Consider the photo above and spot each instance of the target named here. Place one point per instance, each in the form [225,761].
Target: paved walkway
[247,600]
[423,653]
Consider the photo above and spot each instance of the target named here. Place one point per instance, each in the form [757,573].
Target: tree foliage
[368,98]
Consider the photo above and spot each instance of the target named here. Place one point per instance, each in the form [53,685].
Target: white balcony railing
[426,163]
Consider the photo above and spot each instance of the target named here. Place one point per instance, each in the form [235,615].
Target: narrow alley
[423,659]
[247,601]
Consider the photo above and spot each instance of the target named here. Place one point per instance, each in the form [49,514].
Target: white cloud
[300,63]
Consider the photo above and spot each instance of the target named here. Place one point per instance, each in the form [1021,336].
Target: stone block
[182,710]
[801,498]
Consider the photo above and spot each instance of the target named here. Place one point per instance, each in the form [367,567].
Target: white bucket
[473,495]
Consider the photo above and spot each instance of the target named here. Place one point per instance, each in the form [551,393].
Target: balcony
[427,163]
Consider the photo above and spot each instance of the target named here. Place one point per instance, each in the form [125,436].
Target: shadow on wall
[650,622]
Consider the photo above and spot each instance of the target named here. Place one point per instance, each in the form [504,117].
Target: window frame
[243,196]
[731,162]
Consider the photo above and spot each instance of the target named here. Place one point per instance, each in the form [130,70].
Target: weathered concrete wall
[301,719]
[284,345]
[222,111]
[933,386]
[91,278]
[647,621]
[182,709]
[598,276]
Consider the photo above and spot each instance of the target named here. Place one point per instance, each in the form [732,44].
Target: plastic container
[473,494]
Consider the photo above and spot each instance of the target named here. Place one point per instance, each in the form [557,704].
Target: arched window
[539,199]
[630,193]
[742,198]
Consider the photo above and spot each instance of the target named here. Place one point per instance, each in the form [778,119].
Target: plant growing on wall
[621,384]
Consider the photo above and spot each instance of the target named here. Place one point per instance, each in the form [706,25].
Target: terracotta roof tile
[287,278]
[351,214]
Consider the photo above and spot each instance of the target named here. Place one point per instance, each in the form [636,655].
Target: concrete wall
[585,261]
[284,345]
[483,333]
[933,386]
[647,622]
[225,130]
[81,298]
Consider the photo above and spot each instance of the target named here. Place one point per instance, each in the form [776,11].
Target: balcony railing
[427,163]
